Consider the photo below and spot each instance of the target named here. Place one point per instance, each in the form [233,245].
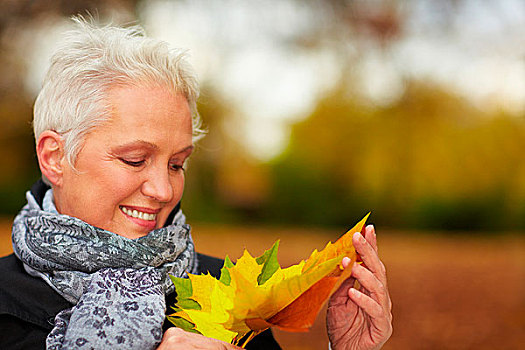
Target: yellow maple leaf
[255,293]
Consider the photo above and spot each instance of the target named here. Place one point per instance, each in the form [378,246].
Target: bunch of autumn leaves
[255,293]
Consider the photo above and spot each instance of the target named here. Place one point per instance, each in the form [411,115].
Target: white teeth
[139,214]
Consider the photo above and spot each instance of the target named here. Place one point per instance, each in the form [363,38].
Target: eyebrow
[141,143]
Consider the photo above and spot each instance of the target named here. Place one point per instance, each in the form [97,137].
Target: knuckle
[382,268]
[390,331]
[173,331]
[173,335]
[382,288]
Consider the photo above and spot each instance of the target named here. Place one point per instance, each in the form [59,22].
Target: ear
[50,153]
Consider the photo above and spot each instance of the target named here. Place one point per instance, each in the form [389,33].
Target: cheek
[114,186]
[178,188]
[123,187]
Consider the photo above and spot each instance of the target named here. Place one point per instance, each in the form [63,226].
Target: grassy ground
[449,291]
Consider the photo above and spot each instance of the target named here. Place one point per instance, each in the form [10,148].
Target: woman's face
[129,171]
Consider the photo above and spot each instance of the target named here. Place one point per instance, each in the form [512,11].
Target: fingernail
[354,292]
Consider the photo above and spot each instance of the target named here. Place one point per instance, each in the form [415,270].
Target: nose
[158,185]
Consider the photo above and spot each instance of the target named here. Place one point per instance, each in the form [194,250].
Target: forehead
[151,113]
[147,103]
[143,95]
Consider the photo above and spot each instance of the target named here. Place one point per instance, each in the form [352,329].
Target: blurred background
[319,111]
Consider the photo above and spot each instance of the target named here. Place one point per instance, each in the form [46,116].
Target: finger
[176,338]
[379,316]
[345,262]
[373,286]
[369,256]
[340,296]
[370,236]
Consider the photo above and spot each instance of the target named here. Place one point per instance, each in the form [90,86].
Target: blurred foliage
[430,160]
[19,165]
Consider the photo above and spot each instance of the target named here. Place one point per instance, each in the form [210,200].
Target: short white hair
[91,60]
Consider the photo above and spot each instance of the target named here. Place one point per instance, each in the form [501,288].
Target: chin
[133,235]
[130,232]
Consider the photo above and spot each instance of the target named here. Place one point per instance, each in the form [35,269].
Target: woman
[114,124]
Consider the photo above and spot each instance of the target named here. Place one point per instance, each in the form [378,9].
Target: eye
[177,167]
[132,163]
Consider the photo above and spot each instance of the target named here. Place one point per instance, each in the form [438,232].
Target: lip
[147,224]
[142,209]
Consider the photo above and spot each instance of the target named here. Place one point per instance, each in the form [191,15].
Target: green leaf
[270,263]
[183,324]
[263,258]
[188,304]
[184,292]
[225,274]
[183,287]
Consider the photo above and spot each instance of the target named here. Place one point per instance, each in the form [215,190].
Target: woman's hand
[361,319]
[176,338]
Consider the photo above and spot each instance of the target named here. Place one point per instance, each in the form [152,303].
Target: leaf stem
[251,335]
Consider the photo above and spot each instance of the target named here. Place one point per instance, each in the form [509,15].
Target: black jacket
[28,305]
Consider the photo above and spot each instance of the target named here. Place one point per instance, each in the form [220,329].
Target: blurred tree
[426,158]
[431,160]
[224,182]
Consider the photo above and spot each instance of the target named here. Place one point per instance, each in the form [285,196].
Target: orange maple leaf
[255,293]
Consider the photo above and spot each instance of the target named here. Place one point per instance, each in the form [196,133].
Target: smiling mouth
[138,214]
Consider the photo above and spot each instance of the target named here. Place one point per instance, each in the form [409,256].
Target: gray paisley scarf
[117,285]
